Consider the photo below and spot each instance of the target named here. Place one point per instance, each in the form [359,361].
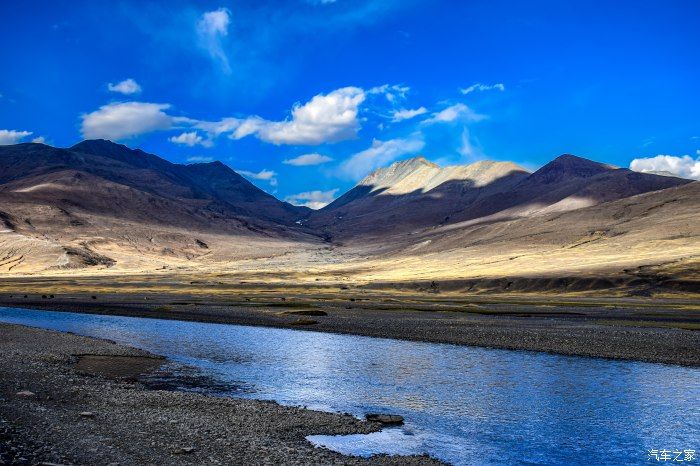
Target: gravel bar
[50,412]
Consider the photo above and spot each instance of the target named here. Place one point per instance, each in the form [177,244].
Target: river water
[463,405]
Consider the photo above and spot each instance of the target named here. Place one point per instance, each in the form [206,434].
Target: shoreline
[629,332]
[56,407]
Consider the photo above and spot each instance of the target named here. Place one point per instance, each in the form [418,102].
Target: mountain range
[102,206]
[417,194]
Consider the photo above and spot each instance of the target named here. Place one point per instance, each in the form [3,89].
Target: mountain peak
[101,145]
[415,162]
[568,166]
[397,171]
[122,153]
[212,164]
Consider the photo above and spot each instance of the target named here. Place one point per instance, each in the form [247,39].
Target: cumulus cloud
[482,87]
[190,139]
[212,27]
[404,114]
[126,87]
[308,159]
[324,119]
[455,112]
[312,199]
[10,136]
[264,175]
[380,154]
[122,120]
[39,140]
[685,166]
[199,159]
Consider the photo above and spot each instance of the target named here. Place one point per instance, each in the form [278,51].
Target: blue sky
[307,96]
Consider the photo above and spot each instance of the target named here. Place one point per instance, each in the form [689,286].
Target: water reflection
[463,405]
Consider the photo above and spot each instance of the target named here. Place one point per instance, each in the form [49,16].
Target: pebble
[26,393]
[186,450]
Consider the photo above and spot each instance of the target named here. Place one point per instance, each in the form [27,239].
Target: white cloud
[324,119]
[10,136]
[190,139]
[211,28]
[215,128]
[391,92]
[403,114]
[467,148]
[264,175]
[455,112]
[126,87]
[199,159]
[125,119]
[482,87]
[312,199]
[380,154]
[685,166]
[39,140]
[308,159]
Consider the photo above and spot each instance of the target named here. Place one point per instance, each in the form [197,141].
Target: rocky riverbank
[641,329]
[58,405]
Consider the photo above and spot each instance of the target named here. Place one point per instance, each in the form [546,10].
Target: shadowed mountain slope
[107,209]
[415,194]
[211,190]
[204,180]
[648,241]
[62,206]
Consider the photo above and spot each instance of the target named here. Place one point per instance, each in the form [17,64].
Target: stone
[26,393]
[87,414]
[386,419]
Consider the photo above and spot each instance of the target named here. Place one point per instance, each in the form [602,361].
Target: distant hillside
[202,195]
[213,180]
[102,208]
[646,243]
[414,194]
[65,204]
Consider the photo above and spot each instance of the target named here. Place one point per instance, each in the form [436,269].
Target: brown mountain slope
[222,189]
[574,224]
[412,194]
[204,180]
[567,183]
[651,238]
[415,194]
[70,207]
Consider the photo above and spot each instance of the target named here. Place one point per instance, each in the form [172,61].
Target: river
[463,405]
